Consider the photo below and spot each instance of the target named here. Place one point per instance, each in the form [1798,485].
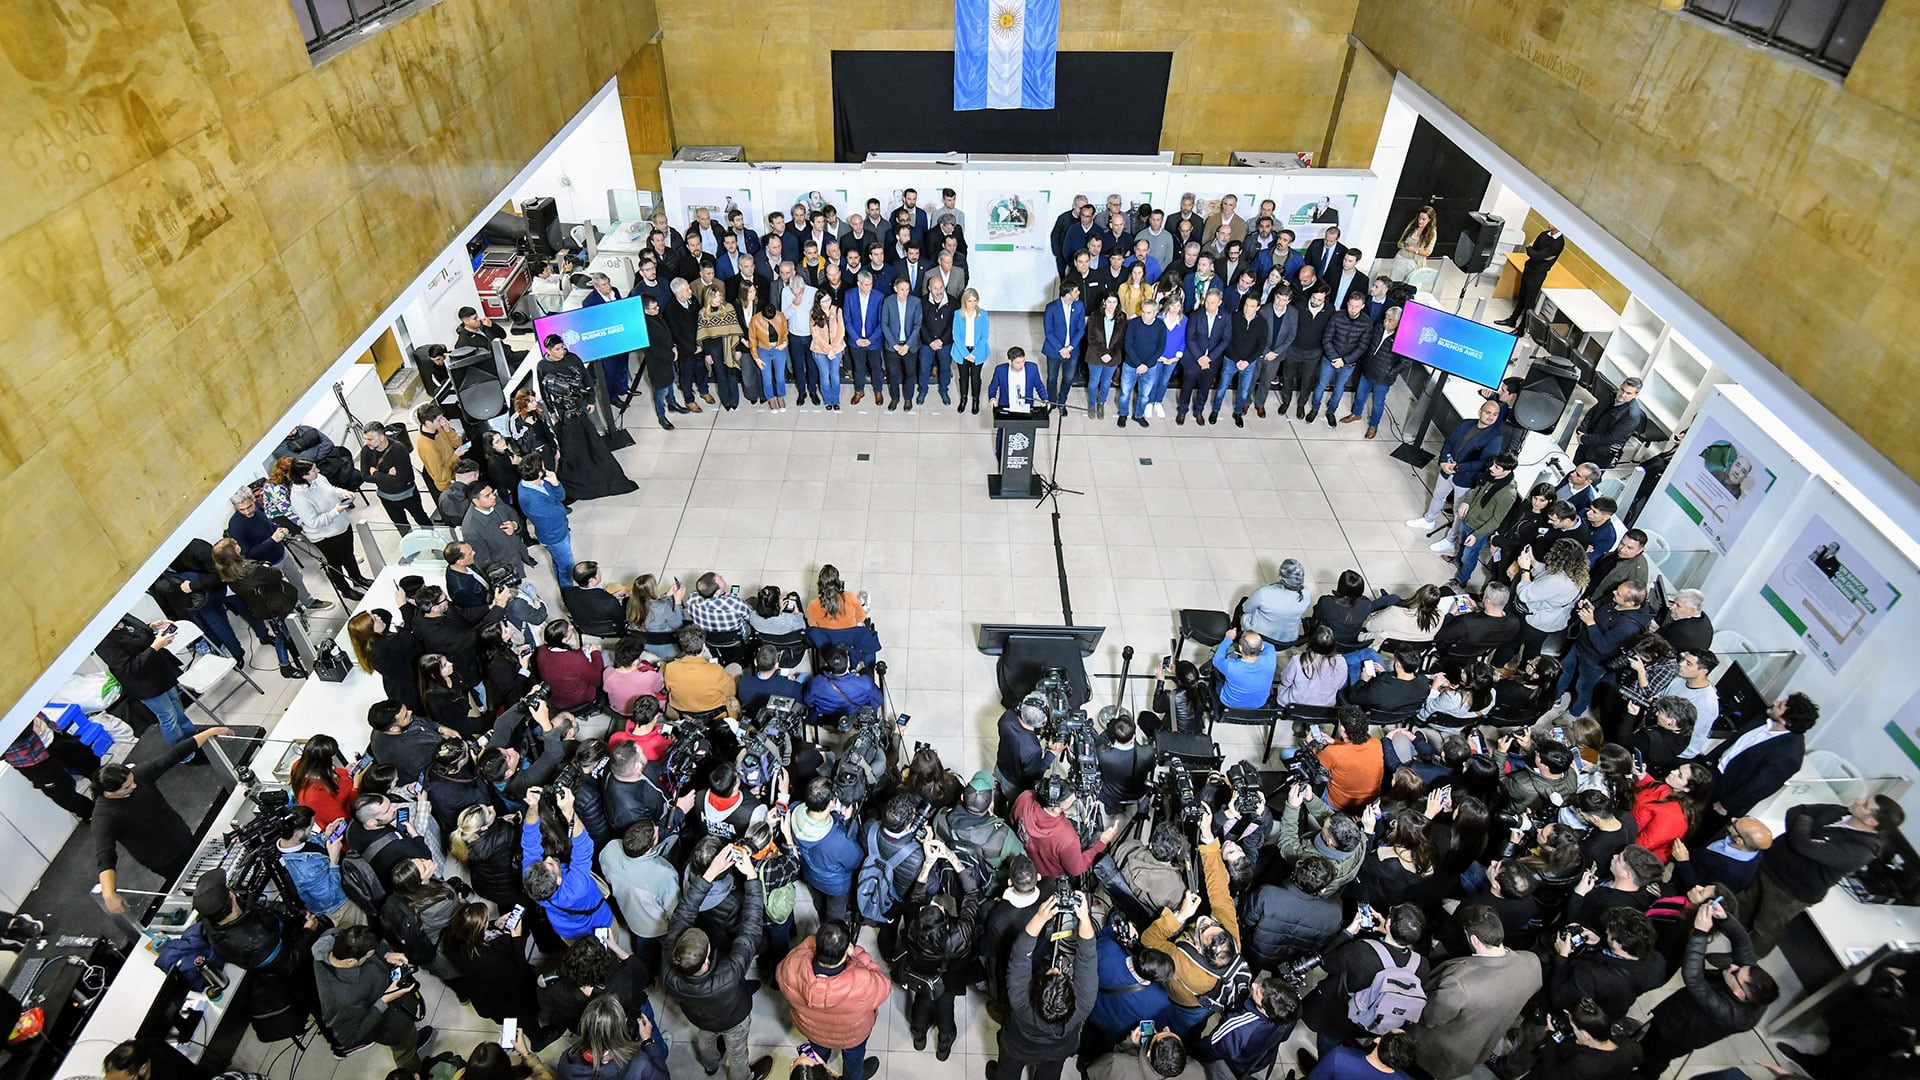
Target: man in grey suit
[1472,1000]
[495,530]
[900,342]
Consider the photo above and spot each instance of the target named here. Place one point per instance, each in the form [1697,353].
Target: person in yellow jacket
[1209,974]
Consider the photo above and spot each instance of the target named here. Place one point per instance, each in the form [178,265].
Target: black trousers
[398,510]
[338,552]
[970,381]
[1196,385]
[67,758]
[867,367]
[927,1010]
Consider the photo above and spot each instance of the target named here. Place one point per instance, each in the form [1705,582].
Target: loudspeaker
[478,386]
[542,215]
[1474,250]
[1543,397]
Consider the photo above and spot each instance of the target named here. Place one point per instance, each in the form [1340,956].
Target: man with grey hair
[1186,213]
[683,321]
[263,540]
[1228,215]
[862,318]
[1687,627]
[1578,488]
[795,299]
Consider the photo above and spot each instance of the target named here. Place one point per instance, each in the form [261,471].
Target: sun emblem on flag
[1006,17]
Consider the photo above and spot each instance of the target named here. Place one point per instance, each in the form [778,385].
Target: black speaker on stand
[1543,397]
[542,215]
[1473,252]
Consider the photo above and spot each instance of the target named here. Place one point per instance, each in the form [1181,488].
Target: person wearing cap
[979,835]
[1021,760]
[257,940]
[1052,841]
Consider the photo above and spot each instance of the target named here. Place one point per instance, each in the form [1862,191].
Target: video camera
[254,870]
[1303,761]
[1178,797]
[502,574]
[1248,799]
[1294,972]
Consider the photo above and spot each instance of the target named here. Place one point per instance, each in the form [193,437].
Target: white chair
[1424,279]
[205,673]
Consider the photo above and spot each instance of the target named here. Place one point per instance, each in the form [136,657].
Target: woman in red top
[1666,811]
[644,728]
[320,783]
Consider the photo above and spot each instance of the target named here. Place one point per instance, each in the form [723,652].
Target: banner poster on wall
[1014,220]
[784,199]
[1904,729]
[1829,594]
[720,201]
[1310,215]
[1721,486]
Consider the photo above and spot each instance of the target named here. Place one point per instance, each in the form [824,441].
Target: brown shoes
[1372,431]
[858,396]
[694,406]
[1260,411]
[1350,418]
[708,398]
[878,400]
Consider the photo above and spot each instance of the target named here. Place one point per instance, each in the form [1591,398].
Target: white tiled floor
[1170,517]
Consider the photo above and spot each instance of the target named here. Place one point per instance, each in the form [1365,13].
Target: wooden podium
[1016,434]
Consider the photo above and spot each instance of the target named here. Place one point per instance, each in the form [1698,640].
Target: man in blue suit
[900,342]
[863,337]
[1065,323]
[1206,352]
[916,214]
[1016,385]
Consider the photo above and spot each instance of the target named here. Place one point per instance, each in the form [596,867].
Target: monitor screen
[601,330]
[1474,351]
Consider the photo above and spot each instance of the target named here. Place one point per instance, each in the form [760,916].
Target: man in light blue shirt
[1246,665]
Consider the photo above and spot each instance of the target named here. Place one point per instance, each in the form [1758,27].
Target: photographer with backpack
[1375,979]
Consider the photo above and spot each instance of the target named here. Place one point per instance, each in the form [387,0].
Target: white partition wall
[1012,272]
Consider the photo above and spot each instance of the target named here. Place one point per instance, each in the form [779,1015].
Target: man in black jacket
[711,987]
[1824,842]
[682,317]
[1299,918]
[129,808]
[1341,350]
[1541,255]
[1613,963]
[594,608]
[659,361]
[402,740]
[1352,964]
[1607,428]
[1711,1006]
[136,655]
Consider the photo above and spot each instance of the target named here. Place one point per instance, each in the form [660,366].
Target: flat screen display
[600,330]
[1474,351]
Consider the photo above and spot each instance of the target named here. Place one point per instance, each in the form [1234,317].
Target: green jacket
[1487,505]
[1293,845]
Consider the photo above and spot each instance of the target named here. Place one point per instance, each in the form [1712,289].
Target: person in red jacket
[1665,811]
[1052,841]
[835,991]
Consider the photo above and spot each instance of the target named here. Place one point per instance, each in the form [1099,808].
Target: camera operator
[839,690]
[936,946]
[128,808]
[1242,822]
[1473,1000]
[568,891]
[1547,780]
[254,938]
[976,834]
[1210,975]
[511,775]
[1051,839]
[1339,838]
[1021,759]
[1299,918]
[453,784]
[588,970]
[1248,1038]
[1585,1047]
[1710,1006]
[399,738]
[1159,1056]
[1154,869]
[1612,965]
[1353,965]
[1633,881]
[364,997]
[1126,763]
[314,867]
[713,988]
[1046,1011]
[380,835]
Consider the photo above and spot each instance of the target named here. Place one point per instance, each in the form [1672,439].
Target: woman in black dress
[587,466]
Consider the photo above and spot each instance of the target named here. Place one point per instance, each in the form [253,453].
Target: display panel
[1442,340]
[601,330]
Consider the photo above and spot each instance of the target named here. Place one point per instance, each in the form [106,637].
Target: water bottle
[216,978]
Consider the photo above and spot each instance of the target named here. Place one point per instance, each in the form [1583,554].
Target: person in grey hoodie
[359,991]
[1044,1016]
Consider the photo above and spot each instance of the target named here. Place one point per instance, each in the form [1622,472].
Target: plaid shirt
[718,614]
[26,750]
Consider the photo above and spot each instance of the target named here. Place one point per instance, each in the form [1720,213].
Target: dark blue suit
[1206,336]
[1064,324]
[1759,771]
[862,316]
[998,393]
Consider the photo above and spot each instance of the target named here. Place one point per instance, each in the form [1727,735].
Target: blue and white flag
[1003,52]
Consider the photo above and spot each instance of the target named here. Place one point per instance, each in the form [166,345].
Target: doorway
[1438,174]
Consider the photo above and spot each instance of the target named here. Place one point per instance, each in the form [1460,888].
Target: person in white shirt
[1693,685]
[795,298]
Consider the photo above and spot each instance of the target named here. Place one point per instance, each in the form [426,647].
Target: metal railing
[326,22]
[1826,32]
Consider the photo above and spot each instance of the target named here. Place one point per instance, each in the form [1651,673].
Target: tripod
[1051,491]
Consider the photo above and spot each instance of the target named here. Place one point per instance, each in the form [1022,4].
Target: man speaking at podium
[1015,387]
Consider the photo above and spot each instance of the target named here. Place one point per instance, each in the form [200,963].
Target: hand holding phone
[509,1031]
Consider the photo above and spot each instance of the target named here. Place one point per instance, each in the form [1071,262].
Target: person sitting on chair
[839,690]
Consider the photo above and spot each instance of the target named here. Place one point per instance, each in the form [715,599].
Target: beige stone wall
[202,221]
[1784,201]
[1247,74]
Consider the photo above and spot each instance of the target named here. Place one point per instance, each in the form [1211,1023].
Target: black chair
[1209,628]
[1556,644]
[792,647]
[731,647]
[657,639]
[1300,716]
[1406,714]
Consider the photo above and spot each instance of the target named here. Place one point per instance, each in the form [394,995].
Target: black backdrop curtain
[902,102]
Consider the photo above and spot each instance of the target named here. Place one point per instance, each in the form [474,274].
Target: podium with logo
[1016,434]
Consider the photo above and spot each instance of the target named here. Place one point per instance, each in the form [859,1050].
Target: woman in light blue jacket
[971,348]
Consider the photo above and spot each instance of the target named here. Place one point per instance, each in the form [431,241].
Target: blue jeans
[1100,384]
[1333,381]
[932,360]
[1136,387]
[172,714]
[827,370]
[852,1059]
[663,400]
[1162,375]
[799,352]
[1360,656]
[1060,374]
[1187,1021]
[1583,675]
[1240,380]
[1377,392]
[773,378]
[562,551]
[1469,553]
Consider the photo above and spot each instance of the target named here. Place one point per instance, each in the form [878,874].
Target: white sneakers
[1159,410]
[1443,547]
[1420,523]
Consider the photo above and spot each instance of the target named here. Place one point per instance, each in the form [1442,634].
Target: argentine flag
[1003,53]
